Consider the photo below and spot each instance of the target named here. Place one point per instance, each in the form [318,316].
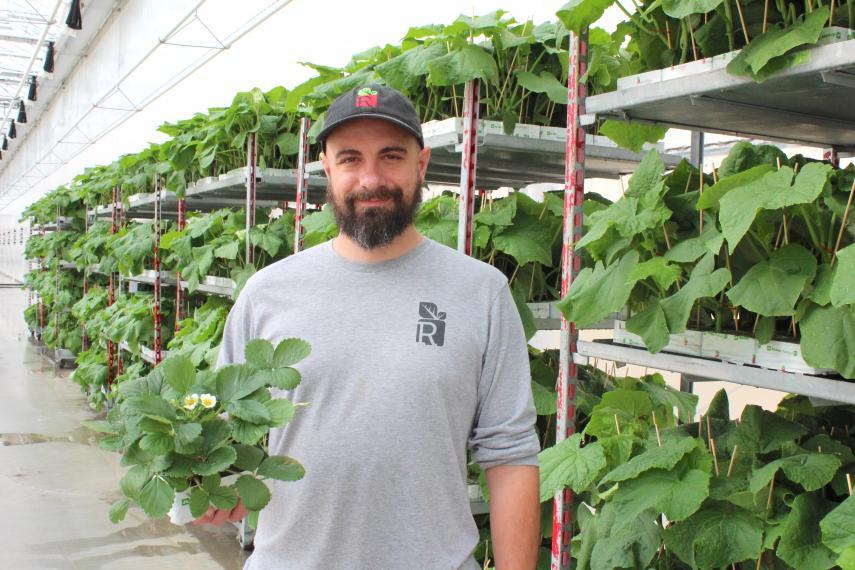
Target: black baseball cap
[377,101]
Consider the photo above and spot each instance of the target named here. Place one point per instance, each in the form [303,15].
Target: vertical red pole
[179,296]
[58,257]
[831,155]
[251,161]
[302,184]
[111,294]
[120,223]
[574,186]
[85,278]
[157,307]
[468,164]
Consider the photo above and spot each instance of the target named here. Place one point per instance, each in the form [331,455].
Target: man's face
[375,171]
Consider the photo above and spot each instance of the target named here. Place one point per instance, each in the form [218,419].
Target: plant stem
[656,426]
[732,460]
[714,456]
[765,14]
[843,224]
[728,17]
[742,21]
[692,37]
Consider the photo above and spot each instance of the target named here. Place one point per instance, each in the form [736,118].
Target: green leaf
[224,498]
[712,195]
[801,541]
[652,326]
[545,400]
[248,433]
[765,330]
[282,378]
[157,443]
[461,65]
[716,536]
[188,438]
[663,272]
[134,480]
[774,191]
[810,470]
[281,468]
[692,249]
[215,433]
[266,240]
[288,144]
[404,72]
[597,292]
[151,405]
[199,502]
[543,83]
[281,411]
[843,283]
[179,372]
[228,250]
[235,382]
[628,405]
[290,351]
[761,431]
[778,41]
[679,9]
[577,15]
[771,288]
[821,292]
[248,457]
[665,457]
[529,239]
[838,527]
[665,395]
[569,465]
[118,510]
[259,353]
[254,494]
[249,410]
[156,497]
[703,282]
[216,462]
[632,136]
[677,493]
[828,339]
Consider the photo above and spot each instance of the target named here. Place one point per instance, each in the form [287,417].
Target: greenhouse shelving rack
[803,104]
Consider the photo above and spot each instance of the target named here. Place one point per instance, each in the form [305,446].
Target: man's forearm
[514,515]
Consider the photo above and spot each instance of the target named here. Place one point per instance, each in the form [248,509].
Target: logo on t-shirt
[431,326]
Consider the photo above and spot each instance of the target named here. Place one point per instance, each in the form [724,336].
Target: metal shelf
[148,277]
[806,104]
[273,187]
[221,286]
[532,154]
[145,353]
[60,357]
[699,369]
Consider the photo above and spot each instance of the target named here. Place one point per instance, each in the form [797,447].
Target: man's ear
[325,163]
[423,160]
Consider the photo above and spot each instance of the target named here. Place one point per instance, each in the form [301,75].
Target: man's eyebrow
[401,149]
[348,152]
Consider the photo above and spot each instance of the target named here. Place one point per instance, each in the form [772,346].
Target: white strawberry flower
[276,213]
[208,401]
[190,401]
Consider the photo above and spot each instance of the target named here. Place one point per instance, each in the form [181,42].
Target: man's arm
[514,515]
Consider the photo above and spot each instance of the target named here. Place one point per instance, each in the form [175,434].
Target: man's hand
[514,515]
[219,516]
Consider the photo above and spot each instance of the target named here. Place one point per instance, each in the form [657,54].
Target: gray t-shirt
[413,361]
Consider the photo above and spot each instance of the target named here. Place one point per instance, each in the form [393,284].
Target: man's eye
[394,156]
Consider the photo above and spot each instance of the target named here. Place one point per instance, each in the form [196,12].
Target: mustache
[381,193]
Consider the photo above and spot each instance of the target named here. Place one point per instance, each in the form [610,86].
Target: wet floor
[56,484]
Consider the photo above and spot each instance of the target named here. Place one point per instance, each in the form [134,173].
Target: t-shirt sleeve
[503,432]
[237,332]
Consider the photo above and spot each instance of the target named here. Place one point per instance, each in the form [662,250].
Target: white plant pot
[180,512]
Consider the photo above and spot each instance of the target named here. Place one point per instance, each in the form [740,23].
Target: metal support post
[302,184]
[120,223]
[831,155]
[157,298]
[696,156]
[58,258]
[250,193]
[468,164]
[179,294]
[574,187]
[85,279]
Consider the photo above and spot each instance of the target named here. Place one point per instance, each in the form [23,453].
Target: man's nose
[370,176]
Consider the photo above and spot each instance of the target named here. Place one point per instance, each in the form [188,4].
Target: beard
[374,226]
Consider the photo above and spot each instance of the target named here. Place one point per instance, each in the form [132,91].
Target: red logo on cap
[366,97]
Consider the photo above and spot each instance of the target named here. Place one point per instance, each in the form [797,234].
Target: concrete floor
[56,484]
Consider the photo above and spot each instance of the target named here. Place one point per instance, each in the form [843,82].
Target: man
[417,353]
